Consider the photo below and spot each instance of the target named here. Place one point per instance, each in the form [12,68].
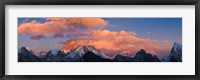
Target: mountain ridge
[87,53]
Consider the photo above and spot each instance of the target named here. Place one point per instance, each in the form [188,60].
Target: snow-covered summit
[24,50]
[177,48]
[85,48]
[71,46]
[75,48]
[175,54]
[54,51]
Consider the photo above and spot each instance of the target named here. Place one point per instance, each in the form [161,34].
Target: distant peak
[54,51]
[72,42]
[70,46]
[142,50]
[42,52]
[175,43]
[25,48]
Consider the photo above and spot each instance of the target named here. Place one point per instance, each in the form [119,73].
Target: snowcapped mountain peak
[24,49]
[85,48]
[27,48]
[70,47]
[175,54]
[71,55]
[25,54]
[177,48]
[20,50]
[177,45]
[75,48]
[54,51]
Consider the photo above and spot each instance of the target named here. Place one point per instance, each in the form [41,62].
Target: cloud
[59,27]
[37,37]
[55,19]
[112,43]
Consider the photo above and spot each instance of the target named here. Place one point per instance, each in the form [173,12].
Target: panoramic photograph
[88,39]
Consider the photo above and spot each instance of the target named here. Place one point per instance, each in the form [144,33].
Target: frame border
[99,2]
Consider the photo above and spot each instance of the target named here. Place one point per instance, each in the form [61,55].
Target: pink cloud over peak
[59,27]
[125,43]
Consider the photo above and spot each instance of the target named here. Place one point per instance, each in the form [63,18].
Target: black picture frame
[99,2]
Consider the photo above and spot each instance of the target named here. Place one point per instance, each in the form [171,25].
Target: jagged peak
[54,51]
[177,44]
[72,45]
[141,51]
[72,42]
[177,47]
[25,48]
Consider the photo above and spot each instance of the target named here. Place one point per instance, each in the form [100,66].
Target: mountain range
[72,52]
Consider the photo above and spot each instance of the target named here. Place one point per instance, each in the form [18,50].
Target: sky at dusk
[110,35]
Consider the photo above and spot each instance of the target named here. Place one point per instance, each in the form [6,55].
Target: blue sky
[155,28]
